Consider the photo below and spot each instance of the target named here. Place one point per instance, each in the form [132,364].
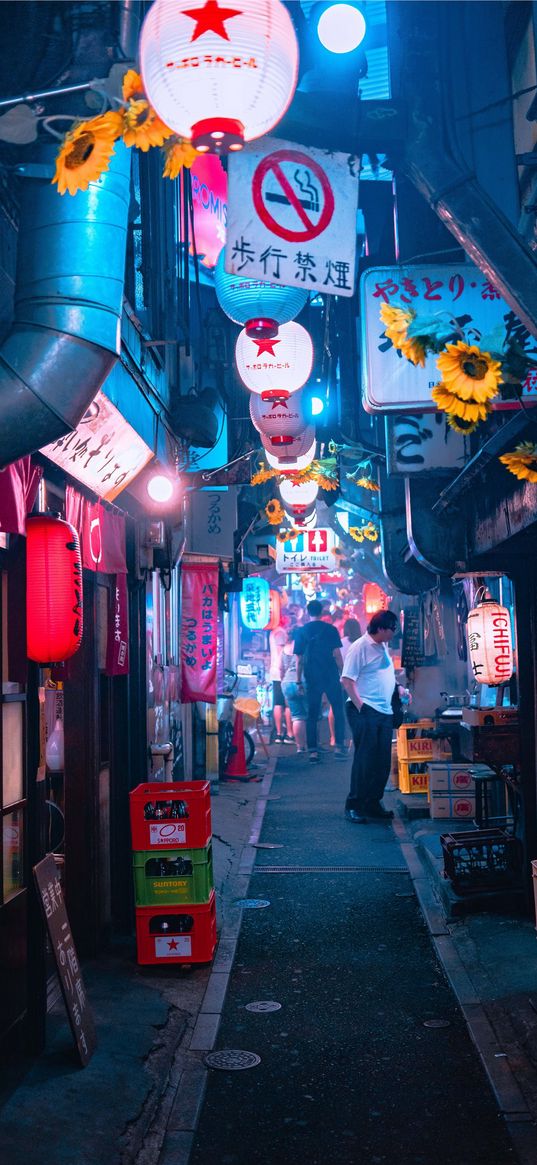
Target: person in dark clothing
[318,651]
[369,681]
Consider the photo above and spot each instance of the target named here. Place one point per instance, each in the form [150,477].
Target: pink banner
[18,488]
[117,644]
[101,533]
[199,621]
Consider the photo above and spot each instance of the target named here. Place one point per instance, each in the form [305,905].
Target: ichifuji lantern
[260,307]
[275,368]
[217,74]
[490,642]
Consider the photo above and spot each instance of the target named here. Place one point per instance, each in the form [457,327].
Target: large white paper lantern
[260,307]
[217,74]
[291,463]
[298,498]
[277,367]
[290,450]
[490,643]
[283,421]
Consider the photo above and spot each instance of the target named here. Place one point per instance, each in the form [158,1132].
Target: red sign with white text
[199,624]
[209,201]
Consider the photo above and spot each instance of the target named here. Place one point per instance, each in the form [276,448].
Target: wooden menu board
[63,947]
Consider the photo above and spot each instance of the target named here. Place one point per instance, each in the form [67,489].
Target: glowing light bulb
[341,28]
[160,488]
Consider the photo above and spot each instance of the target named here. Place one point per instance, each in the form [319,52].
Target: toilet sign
[292,216]
[310,550]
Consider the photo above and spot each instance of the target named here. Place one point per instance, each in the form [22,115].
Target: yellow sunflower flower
[460,426]
[275,512]
[414,350]
[396,321]
[86,152]
[522,462]
[357,533]
[178,153]
[367,483]
[286,535]
[451,403]
[469,372]
[142,127]
[371,532]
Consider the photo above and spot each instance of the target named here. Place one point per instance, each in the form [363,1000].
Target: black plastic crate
[484,859]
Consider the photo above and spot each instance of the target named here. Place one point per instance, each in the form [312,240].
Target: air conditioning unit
[154,535]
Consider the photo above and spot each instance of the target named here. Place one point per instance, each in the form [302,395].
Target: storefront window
[13,842]
[12,769]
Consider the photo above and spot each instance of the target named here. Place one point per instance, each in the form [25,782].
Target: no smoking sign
[292,216]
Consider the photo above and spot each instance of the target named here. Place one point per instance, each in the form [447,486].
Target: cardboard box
[457,806]
[479,717]
[455,778]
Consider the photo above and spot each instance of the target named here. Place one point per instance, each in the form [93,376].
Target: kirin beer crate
[414,742]
[176,934]
[176,877]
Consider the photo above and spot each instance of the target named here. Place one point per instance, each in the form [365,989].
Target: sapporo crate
[168,815]
[176,934]
[176,876]
[484,859]
[413,778]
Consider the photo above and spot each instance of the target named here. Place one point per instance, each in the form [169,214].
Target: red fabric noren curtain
[102,533]
[18,488]
[199,621]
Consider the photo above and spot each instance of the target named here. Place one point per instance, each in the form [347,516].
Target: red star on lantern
[266,346]
[210,18]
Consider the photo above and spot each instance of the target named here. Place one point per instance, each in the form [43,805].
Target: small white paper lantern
[490,643]
[298,498]
[289,450]
[291,463]
[285,419]
[275,368]
[217,74]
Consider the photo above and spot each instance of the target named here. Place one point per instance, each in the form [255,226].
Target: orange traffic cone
[236,765]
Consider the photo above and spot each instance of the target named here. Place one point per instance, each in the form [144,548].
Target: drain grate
[263,1005]
[330,870]
[232,1060]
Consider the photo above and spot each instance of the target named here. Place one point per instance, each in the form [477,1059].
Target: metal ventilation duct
[65,336]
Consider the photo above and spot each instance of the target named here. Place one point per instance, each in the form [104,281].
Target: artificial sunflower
[338,552]
[86,151]
[263,475]
[365,482]
[522,462]
[451,402]
[142,126]
[469,372]
[178,153]
[357,533]
[397,322]
[274,512]
[461,426]
[371,532]
[286,535]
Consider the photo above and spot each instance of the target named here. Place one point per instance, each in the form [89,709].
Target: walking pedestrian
[369,681]
[283,724]
[318,649]
[293,691]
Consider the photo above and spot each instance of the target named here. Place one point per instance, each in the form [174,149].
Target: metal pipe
[25,97]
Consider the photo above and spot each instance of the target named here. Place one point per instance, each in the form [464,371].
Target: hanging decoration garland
[470,376]
[274,512]
[368,531]
[323,473]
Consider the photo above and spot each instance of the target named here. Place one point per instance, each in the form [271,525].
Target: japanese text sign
[462,294]
[199,623]
[104,452]
[63,947]
[117,640]
[212,521]
[292,216]
[415,444]
[311,550]
[255,603]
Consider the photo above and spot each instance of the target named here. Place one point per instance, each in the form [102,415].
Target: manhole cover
[263,1005]
[252,903]
[267,845]
[232,1060]
[436,1023]
[275,797]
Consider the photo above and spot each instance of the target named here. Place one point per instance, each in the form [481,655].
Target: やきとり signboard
[461,294]
[63,948]
[292,216]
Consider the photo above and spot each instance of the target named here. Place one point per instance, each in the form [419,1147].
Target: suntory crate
[173,876]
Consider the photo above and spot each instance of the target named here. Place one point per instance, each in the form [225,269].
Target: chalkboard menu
[412,651]
[63,948]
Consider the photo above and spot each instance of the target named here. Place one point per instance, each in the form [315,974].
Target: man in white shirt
[369,680]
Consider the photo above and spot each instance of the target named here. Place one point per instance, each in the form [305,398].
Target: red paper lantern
[374,598]
[275,611]
[53,589]
[219,74]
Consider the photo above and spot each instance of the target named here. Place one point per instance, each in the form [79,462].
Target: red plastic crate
[191,829]
[176,934]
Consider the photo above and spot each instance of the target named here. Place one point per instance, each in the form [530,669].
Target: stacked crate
[173,872]
[414,750]
[452,789]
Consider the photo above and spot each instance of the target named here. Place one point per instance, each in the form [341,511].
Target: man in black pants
[369,681]
[319,660]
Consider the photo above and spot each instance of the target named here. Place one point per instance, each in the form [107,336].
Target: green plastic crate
[173,876]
